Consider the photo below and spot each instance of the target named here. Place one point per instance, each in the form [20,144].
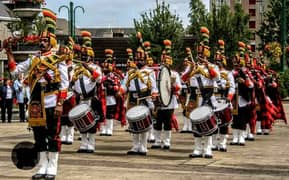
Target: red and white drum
[203,120]
[223,112]
[82,117]
[139,119]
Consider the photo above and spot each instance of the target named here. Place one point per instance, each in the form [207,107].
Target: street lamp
[283,34]
[71,16]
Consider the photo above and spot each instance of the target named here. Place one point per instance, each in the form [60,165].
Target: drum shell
[225,116]
[205,125]
[84,120]
[140,123]
[68,104]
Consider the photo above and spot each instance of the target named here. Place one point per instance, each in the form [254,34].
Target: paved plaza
[265,158]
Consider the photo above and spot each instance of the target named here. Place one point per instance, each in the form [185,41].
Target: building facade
[255,9]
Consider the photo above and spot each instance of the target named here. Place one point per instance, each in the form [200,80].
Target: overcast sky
[116,13]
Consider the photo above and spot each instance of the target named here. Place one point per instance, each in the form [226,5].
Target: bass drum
[164,84]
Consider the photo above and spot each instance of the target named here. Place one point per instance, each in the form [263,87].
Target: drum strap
[137,86]
[82,86]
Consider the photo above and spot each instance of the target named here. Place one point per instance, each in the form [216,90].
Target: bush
[284,82]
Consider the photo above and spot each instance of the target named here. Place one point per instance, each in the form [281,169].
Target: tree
[222,24]
[198,17]
[270,30]
[157,25]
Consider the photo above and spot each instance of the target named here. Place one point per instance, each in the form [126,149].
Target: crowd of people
[68,91]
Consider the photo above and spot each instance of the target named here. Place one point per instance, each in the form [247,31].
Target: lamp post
[283,34]
[71,16]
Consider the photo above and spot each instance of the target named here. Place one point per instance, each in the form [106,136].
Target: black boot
[50,177]
[38,176]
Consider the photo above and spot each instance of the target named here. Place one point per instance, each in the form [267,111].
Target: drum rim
[205,117]
[158,84]
[144,115]
[81,114]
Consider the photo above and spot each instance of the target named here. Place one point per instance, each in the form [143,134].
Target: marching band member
[205,75]
[164,114]
[244,94]
[48,83]
[184,97]
[226,89]
[254,75]
[154,67]
[67,128]
[139,82]
[86,82]
[114,103]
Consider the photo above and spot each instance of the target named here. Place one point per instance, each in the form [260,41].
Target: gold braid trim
[224,75]
[139,75]
[48,62]
[200,70]
[80,70]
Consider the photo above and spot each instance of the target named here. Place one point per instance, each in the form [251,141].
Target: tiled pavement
[265,158]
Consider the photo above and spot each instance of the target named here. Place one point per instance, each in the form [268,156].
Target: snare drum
[82,117]
[139,119]
[203,120]
[223,113]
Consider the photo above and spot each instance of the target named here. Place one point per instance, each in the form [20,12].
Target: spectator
[19,89]
[7,93]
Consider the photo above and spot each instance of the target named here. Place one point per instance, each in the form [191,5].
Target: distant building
[256,10]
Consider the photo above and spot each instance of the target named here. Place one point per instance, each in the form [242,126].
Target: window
[252,12]
[252,24]
[252,2]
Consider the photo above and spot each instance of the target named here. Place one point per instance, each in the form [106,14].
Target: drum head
[164,86]
[78,110]
[137,113]
[25,156]
[201,113]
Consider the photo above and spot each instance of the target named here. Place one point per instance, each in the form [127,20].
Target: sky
[116,13]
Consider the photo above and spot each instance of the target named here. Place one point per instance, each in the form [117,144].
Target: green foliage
[270,29]
[284,82]
[222,24]
[157,25]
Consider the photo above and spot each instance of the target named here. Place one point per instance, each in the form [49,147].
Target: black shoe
[38,176]
[63,142]
[142,153]
[207,156]
[259,133]
[223,149]
[156,147]
[79,138]
[166,147]
[9,121]
[89,151]
[215,149]
[102,134]
[82,151]
[183,131]
[265,133]
[233,143]
[68,143]
[195,155]
[50,177]
[241,144]
[108,134]
[132,153]
[151,141]
[251,139]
